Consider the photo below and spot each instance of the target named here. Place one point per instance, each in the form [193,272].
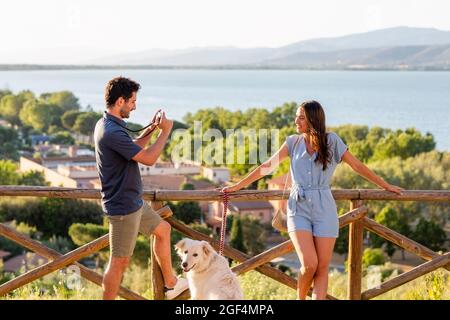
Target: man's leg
[123,230]
[113,276]
[161,247]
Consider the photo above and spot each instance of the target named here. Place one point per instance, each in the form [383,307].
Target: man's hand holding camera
[165,124]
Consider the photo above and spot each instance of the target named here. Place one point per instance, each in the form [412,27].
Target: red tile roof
[30,260]
[251,205]
[164,182]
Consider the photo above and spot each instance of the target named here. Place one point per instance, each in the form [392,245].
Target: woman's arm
[365,172]
[264,169]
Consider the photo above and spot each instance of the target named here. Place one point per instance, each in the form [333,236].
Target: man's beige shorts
[123,229]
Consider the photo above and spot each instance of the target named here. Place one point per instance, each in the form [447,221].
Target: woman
[312,219]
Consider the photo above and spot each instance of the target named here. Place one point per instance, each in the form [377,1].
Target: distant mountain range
[393,48]
[399,48]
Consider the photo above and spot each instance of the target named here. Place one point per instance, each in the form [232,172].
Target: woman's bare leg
[304,246]
[324,249]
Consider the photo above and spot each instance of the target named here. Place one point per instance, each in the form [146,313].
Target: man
[117,158]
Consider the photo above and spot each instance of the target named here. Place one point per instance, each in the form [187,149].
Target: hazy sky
[96,27]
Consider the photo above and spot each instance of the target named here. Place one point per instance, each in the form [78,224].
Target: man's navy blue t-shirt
[119,174]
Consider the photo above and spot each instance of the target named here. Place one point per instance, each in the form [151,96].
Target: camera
[158,118]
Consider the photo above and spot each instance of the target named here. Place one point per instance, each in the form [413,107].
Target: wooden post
[355,249]
[156,274]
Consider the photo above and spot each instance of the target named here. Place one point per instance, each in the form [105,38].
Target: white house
[218,175]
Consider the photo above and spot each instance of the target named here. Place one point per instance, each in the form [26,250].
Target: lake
[390,99]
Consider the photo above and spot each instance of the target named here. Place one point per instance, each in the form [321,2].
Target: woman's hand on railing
[232,188]
[395,189]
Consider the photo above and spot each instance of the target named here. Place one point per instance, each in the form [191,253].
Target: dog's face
[194,254]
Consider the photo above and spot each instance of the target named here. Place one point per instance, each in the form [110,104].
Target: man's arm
[149,155]
[143,139]
[145,136]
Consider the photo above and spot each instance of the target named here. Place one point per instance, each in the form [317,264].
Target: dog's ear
[207,249]
[179,247]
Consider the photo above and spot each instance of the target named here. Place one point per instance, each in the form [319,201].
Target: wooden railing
[356,218]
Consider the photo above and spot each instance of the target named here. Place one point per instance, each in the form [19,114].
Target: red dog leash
[224,222]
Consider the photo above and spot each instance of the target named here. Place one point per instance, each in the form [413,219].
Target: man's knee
[119,263]
[162,230]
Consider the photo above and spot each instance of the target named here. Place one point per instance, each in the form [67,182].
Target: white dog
[208,273]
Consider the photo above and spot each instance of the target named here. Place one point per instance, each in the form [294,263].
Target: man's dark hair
[119,87]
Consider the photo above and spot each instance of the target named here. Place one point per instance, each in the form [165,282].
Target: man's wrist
[165,132]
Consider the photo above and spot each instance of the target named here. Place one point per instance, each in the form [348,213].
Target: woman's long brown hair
[315,118]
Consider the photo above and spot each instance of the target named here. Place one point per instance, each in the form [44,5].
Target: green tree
[68,119]
[61,244]
[236,235]
[187,211]
[5,92]
[361,149]
[372,257]
[403,144]
[62,137]
[9,144]
[40,116]
[10,106]
[82,233]
[351,133]
[187,186]
[85,123]
[392,219]
[430,234]
[66,100]
[254,234]
[284,116]
[8,173]
[51,216]
[26,95]
[33,178]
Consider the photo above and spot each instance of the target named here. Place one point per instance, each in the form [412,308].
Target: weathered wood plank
[57,264]
[352,215]
[407,276]
[400,240]
[263,258]
[213,195]
[51,254]
[59,192]
[355,250]
[407,195]
[243,195]
[156,274]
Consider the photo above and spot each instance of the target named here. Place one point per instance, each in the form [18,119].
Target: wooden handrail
[213,195]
